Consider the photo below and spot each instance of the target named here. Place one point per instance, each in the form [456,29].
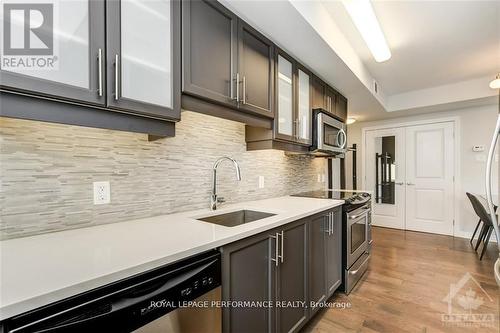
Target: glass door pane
[304,106]
[285,96]
[146,52]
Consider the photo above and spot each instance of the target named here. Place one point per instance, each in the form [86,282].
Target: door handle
[410,184]
[399,183]
[117,77]
[99,64]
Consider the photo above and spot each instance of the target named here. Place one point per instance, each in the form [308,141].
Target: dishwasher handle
[124,300]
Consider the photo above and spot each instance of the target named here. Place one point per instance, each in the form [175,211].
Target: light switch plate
[102,193]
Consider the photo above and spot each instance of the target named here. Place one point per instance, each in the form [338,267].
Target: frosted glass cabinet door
[143,68]
[285,114]
[67,62]
[304,107]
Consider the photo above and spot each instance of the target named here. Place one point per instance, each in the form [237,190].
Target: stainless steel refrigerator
[495,84]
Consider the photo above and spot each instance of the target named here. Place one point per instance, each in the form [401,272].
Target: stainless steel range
[356,232]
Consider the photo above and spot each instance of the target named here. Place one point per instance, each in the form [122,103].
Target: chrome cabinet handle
[282,247]
[331,223]
[117,77]
[489,198]
[244,98]
[237,87]
[99,64]
[276,253]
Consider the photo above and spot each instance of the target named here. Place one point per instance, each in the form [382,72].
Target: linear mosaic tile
[47,171]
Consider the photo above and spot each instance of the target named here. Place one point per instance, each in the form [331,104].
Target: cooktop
[349,197]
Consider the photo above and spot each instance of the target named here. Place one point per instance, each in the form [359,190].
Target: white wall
[477,126]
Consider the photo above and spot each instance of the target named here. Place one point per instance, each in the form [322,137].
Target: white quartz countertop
[38,270]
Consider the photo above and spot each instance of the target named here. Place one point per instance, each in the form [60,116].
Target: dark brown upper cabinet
[225,61]
[341,107]
[327,98]
[293,100]
[121,57]
[143,57]
[80,60]
[318,93]
[255,70]
[209,49]
[293,108]
[330,97]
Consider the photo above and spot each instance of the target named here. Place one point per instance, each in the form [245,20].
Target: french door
[411,173]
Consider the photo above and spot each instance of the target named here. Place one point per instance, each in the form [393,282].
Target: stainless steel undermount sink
[236,218]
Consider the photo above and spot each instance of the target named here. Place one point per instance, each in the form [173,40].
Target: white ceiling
[443,52]
[433,43]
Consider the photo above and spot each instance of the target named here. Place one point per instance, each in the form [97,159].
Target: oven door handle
[367,210]
[364,262]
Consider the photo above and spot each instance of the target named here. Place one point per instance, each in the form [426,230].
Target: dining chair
[480,206]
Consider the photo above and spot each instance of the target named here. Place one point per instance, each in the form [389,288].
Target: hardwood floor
[403,290]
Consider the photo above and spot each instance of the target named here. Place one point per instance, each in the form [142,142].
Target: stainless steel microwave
[329,135]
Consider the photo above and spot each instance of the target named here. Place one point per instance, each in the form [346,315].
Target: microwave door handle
[344,140]
[488,182]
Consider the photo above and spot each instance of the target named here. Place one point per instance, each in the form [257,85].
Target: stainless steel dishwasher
[181,298]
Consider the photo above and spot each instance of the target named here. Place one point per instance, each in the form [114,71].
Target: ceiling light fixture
[363,16]
[350,121]
[495,84]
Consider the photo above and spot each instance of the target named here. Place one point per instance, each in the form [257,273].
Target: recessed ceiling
[433,43]
[444,53]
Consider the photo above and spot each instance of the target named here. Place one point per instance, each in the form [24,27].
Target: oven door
[331,135]
[357,233]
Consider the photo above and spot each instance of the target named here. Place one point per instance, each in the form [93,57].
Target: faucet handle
[221,200]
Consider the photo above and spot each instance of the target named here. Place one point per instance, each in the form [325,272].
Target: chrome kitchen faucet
[214,200]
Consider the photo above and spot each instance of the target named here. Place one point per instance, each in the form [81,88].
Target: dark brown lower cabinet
[292,277]
[318,227]
[325,256]
[267,267]
[248,274]
[333,255]
[285,266]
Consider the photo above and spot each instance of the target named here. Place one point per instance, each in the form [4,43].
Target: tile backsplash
[47,171]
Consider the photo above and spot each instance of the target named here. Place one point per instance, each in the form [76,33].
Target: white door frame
[457,162]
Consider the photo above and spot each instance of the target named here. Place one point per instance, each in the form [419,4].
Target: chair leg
[485,242]
[480,237]
[475,230]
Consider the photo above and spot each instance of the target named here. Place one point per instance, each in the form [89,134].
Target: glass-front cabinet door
[285,90]
[143,70]
[54,49]
[304,102]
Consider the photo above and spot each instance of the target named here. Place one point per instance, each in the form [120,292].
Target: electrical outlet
[102,193]
[261,181]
